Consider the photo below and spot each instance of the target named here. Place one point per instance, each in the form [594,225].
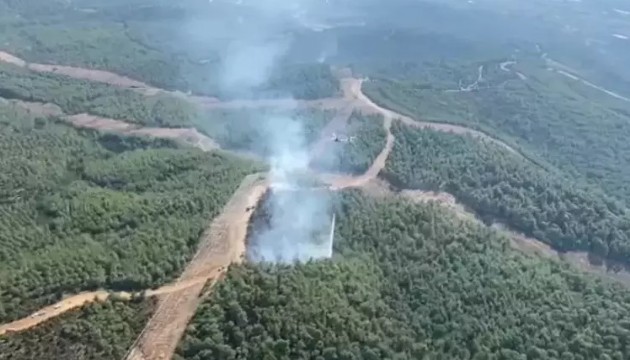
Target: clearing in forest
[221,245]
[224,241]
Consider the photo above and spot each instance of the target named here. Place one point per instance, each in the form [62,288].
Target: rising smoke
[297,228]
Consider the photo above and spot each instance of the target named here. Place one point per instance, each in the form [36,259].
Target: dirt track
[365,104]
[81,299]
[351,95]
[221,245]
[159,339]
[224,242]
[114,79]
[190,136]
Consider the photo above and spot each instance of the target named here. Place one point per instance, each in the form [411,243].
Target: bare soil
[224,241]
[81,299]
[38,109]
[365,104]
[221,245]
[11,59]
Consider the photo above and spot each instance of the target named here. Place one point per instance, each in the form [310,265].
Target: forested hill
[182,46]
[502,186]
[411,282]
[82,210]
[581,130]
[101,331]
[80,96]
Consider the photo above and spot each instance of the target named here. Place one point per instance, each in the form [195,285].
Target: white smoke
[248,64]
[298,219]
[297,229]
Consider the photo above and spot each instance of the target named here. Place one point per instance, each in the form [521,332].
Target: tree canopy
[82,210]
[411,282]
[580,130]
[503,186]
[100,331]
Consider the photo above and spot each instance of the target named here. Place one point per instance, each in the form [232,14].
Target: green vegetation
[365,137]
[302,81]
[257,130]
[80,96]
[103,46]
[101,331]
[502,186]
[81,210]
[578,129]
[155,42]
[411,282]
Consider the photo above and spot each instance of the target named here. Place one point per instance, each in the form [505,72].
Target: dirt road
[224,241]
[100,76]
[570,73]
[365,104]
[352,97]
[81,299]
[190,136]
[110,78]
[221,245]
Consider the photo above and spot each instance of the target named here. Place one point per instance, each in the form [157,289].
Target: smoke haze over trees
[81,210]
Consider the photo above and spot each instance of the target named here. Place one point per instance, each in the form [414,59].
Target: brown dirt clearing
[221,245]
[224,241]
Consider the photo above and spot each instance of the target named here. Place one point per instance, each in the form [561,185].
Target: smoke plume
[299,220]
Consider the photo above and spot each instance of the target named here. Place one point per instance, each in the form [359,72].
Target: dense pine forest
[505,187]
[411,282]
[101,331]
[360,142]
[82,210]
[578,129]
[79,96]
[263,131]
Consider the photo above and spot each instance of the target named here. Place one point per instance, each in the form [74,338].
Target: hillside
[182,46]
[82,210]
[578,129]
[99,331]
[503,187]
[80,96]
[411,282]
[473,154]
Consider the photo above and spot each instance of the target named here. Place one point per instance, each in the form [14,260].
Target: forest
[290,225]
[411,282]
[267,132]
[502,186]
[366,139]
[81,210]
[159,43]
[561,121]
[100,331]
[259,130]
[80,96]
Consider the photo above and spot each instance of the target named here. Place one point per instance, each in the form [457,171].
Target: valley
[451,191]
[178,301]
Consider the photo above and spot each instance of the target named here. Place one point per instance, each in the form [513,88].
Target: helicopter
[342,138]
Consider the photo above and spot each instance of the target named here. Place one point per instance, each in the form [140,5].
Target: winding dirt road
[224,241]
[81,299]
[221,245]
[110,78]
[352,97]
[190,136]
[153,343]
